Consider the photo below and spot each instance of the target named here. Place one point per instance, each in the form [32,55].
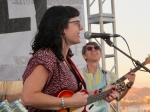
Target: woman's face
[72,32]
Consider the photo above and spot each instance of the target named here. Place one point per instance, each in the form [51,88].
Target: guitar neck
[97,97]
[124,78]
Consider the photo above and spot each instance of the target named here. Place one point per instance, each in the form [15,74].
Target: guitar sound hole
[91,106]
[68,110]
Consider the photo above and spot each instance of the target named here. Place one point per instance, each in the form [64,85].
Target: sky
[132,23]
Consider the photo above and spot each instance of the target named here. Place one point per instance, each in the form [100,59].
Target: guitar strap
[77,72]
[78,77]
[104,72]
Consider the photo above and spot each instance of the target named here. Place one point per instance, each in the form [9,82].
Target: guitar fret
[97,97]
[123,77]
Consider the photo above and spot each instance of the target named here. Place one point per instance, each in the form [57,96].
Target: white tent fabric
[18,26]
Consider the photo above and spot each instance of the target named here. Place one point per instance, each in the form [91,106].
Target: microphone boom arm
[111,44]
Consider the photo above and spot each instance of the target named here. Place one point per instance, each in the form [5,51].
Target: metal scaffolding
[102,19]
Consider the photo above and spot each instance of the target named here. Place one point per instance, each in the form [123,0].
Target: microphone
[88,35]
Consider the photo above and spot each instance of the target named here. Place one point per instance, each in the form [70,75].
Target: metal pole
[102,30]
[88,13]
[115,42]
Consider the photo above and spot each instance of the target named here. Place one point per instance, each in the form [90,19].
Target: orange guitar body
[67,94]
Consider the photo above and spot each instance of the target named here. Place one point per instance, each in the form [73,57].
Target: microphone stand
[111,44]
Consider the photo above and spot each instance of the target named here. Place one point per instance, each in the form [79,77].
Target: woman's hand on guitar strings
[79,99]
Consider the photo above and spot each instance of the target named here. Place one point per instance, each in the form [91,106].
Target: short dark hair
[89,43]
[51,27]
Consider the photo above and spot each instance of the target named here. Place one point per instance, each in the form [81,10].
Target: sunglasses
[77,22]
[90,48]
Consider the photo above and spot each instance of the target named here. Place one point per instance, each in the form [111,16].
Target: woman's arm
[32,95]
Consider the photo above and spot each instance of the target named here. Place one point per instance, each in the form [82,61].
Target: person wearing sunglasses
[96,78]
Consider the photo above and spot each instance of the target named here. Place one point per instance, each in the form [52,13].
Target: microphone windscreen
[87,35]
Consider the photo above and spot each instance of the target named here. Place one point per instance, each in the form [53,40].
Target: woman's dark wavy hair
[50,30]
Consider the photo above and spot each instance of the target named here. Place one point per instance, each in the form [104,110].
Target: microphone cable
[131,54]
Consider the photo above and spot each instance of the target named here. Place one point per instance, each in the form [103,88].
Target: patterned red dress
[60,77]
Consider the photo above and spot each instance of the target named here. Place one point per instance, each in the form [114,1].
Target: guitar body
[94,107]
[67,94]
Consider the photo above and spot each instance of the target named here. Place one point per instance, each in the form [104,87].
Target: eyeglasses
[90,48]
[77,22]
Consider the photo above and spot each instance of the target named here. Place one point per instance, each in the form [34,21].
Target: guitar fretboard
[97,97]
[124,78]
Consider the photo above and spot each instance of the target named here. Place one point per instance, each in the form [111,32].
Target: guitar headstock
[121,87]
[147,60]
